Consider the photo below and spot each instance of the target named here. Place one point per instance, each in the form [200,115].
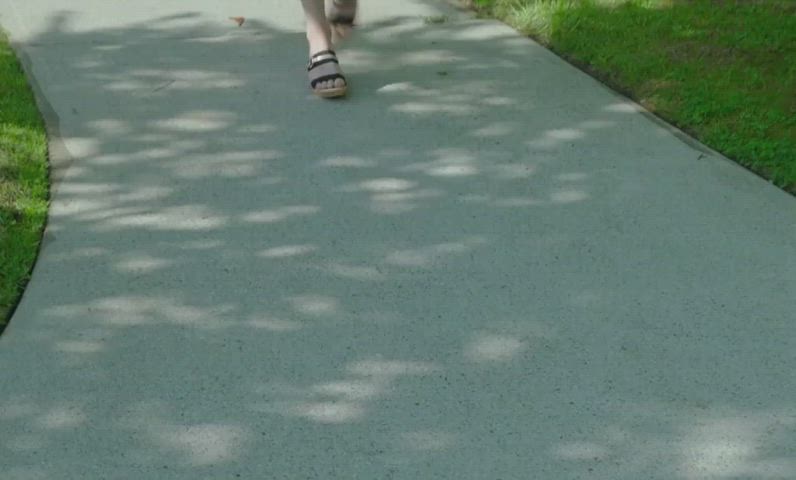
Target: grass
[23,180]
[722,70]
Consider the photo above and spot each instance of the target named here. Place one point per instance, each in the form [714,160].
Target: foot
[341,15]
[326,77]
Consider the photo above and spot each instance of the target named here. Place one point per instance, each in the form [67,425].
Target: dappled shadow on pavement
[437,278]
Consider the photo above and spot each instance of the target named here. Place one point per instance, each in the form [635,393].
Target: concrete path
[483,265]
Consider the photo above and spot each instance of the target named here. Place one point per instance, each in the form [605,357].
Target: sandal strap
[321,58]
[343,12]
[340,19]
[325,70]
[318,63]
[323,53]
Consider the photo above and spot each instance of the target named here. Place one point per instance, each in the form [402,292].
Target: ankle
[318,42]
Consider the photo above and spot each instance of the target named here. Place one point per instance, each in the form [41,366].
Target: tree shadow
[437,278]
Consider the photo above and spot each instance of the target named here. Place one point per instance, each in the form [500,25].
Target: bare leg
[319,35]
[341,15]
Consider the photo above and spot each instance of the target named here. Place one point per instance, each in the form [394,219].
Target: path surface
[483,265]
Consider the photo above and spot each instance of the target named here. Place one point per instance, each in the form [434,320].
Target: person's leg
[319,38]
[341,15]
[319,34]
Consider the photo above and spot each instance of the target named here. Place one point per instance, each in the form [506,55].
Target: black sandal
[324,67]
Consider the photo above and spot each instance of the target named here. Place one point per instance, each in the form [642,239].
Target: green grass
[722,70]
[23,180]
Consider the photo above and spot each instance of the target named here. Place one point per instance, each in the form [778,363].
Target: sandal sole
[331,92]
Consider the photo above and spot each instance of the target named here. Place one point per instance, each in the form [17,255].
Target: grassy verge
[23,180]
[722,70]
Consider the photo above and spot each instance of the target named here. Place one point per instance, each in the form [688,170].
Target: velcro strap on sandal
[324,55]
[317,63]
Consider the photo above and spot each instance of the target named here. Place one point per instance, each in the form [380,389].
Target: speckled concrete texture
[482,265]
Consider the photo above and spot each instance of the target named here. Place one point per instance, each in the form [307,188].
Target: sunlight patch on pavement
[204,445]
[581,451]
[427,440]
[315,305]
[287,251]
[493,348]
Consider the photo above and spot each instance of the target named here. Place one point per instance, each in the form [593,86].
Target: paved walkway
[483,265]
